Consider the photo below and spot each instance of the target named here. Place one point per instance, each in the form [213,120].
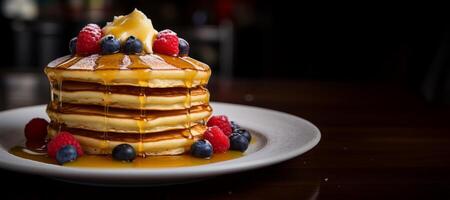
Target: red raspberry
[222,122]
[61,140]
[219,141]
[36,129]
[166,43]
[88,40]
[165,32]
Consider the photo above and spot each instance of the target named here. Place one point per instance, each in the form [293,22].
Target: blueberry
[73,45]
[124,152]
[66,154]
[245,133]
[238,142]
[234,126]
[132,45]
[202,149]
[109,44]
[183,47]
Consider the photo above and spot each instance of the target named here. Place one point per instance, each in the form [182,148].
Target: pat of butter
[134,24]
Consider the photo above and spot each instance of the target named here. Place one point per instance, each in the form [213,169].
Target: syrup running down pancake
[131,95]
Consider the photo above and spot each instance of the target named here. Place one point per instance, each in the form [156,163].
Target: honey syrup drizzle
[142,120]
[68,63]
[107,102]
[137,63]
[109,62]
[178,62]
[52,94]
[115,62]
[188,102]
[104,68]
[60,99]
[143,78]
[187,105]
[198,66]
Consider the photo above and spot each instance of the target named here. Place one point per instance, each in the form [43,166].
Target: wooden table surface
[379,141]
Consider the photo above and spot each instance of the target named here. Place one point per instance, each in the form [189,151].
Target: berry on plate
[183,47]
[166,43]
[124,152]
[73,46]
[222,122]
[237,129]
[219,141]
[88,40]
[201,149]
[238,142]
[36,129]
[132,45]
[61,140]
[234,126]
[66,154]
[245,133]
[109,44]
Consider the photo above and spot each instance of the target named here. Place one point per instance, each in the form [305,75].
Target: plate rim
[51,170]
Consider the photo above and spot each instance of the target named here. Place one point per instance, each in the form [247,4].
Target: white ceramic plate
[279,137]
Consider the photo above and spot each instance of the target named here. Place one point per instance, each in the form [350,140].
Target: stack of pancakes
[156,103]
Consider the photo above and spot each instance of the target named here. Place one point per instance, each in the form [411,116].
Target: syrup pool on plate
[96,161]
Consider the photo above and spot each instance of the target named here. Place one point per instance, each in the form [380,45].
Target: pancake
[125,121]
[163,143]
[130,97]
[148,70]
[155,102]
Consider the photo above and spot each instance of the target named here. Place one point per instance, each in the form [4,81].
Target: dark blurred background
[249,39]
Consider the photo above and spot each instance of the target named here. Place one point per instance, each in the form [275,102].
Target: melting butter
[134,24]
